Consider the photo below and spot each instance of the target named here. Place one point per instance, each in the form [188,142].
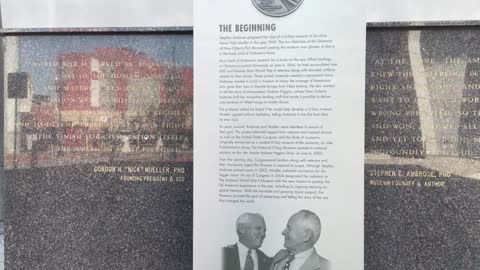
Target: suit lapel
[310,263]
[235,259]
[281,264]
[261,261]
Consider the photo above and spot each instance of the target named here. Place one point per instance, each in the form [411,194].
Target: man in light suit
[245,254]
[301,234]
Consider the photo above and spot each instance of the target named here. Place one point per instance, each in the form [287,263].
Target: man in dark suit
[245,254]
[301,234]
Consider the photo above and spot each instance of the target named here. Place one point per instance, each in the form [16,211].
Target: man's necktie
[291,257]
[249,261]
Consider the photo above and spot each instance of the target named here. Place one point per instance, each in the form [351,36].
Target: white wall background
[105,13]
[96,13]
[422,10]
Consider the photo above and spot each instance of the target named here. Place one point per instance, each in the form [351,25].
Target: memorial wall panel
[98,149]
[422,167]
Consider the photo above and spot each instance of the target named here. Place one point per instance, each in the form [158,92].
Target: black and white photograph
[300,235]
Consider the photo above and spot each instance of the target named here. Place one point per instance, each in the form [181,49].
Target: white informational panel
[279,114]
[95,13]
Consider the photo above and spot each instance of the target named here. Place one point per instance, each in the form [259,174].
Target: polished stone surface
[100,176]
[71,218]
[422,202]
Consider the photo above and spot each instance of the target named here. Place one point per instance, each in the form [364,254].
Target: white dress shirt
[300,259]
[242,255]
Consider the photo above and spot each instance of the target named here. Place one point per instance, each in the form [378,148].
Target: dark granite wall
[70,218]
[423,211]
[101,177]
[422,228]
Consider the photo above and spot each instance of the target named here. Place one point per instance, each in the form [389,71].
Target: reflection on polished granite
[422,148]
